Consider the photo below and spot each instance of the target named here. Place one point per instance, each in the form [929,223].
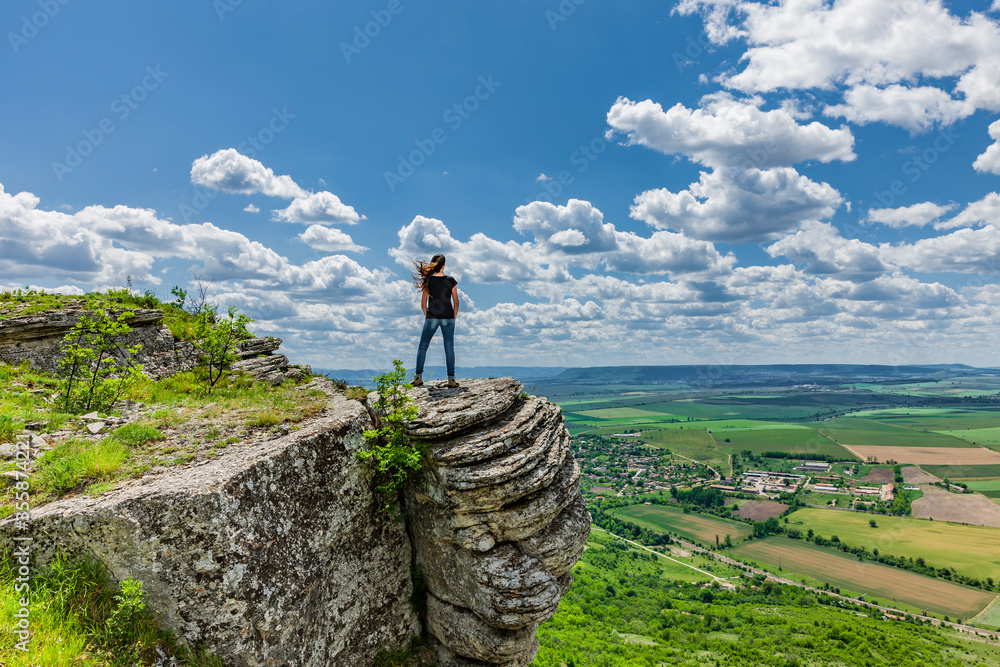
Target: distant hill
[523,374]
[765,374]
[694,375]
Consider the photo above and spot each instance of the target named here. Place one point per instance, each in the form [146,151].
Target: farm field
[934,541]
[989,437]
[935,419]
[691,443]
[760,510]
[915,475]
[958,386]
[622,413]
[970,508]
[879,476]
[820,498]
[693,526]
[886,583]
[982,485]
[963,471]
[990,616]
[772,437]
[862,431]
[930,456]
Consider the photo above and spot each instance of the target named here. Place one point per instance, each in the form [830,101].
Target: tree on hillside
[97,368]
[218,337]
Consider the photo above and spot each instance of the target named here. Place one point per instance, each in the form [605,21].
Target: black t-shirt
[439,297]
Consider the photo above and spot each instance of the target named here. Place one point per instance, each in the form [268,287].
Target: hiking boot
[417,381]
[452,382]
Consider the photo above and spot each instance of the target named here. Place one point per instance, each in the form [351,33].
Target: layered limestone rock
[256,357]
[276,554]
[37,338]
[496,516]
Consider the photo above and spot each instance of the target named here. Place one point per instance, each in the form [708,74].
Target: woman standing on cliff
[439,301]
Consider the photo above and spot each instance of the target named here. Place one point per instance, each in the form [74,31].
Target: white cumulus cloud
[230,171]
[989,161]
[729,132]
[319,208]
[916,215]
[878,48]
[914,108]
[329,240]
[739,205]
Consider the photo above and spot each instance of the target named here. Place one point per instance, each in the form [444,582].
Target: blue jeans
[448,331]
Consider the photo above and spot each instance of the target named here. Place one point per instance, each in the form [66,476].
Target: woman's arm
[454,299]
[423,302]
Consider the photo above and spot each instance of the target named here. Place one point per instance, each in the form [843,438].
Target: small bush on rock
[392,451]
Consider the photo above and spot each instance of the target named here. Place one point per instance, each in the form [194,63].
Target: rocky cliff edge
[496,516]
[278,553]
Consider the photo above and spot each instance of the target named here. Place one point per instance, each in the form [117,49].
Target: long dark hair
[424,270]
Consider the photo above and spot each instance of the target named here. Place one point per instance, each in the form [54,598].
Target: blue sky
[713,181]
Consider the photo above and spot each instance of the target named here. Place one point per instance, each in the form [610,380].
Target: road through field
[845,571]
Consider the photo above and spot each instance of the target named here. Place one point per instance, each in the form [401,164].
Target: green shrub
[394,454]
[218,336]
[96,370]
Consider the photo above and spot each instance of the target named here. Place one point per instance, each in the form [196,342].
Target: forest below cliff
[631,608]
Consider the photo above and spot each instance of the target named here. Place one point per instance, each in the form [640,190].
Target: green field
[988,437]
[820,498]
[792,438]
[701,527]
[874,579]
[984,484]
[990,616]
[621,413]
[962,472]
[934,541]
[869,432]
[689,442]
[936,419]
